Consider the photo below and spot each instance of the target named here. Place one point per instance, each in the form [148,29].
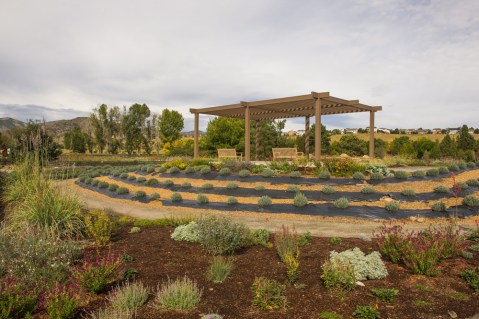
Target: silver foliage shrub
[188,232]
[365,266]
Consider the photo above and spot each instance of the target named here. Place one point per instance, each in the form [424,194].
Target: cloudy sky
[418,59]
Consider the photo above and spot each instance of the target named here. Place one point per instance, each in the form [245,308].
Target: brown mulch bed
[157,257]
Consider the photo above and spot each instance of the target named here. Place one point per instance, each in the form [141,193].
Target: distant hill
[58,128]
[7,123]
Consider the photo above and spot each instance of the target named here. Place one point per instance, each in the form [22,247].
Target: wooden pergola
[314,104]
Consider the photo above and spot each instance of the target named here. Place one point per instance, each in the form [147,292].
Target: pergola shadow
[314,104]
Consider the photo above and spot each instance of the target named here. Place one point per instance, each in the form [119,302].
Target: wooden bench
[286,153]
[229,153]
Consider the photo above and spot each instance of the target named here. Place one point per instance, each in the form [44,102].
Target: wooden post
[196,135]
[247,142]
[306,137]
[371,134]
[257,140]
[317,131]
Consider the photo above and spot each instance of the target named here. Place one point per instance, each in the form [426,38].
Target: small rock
[386,199]
[413,218]
[359,283]
[420,220]
[452,314]
[211,289]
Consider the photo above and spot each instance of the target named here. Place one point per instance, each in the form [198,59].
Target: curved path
[317,225]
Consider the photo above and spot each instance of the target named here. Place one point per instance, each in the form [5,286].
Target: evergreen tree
[436,151]
[448,146]
[465,141]
[74,140]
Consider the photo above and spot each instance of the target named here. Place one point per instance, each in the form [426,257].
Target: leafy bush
[462,165]
[207,186]
[433,172]
[300,200]
[259,188]
[140,194]
[219,269]
[364,266]
[419,174]
[244,173]
[95,182]
[375,176]
[471,201]
[295,174]
[342,166]
[122,190]
[168,183]
[224,171]
[400,174]
[174,170]
[472,182]
[341,202]
[186,185]
[261,237]
[129,296]
[176,197]
[205,170]
[98,272]
[135,230]
[443,170]
[189,170]
[103,184]
[472,278]
[232,201]
[264,201]
[324,174]
[368,190]
[304,239]
[268,294]
[462,186]
[231,185]
[366,312]
[161,169]
[359,176]
[132,178]
[386,295]
[335,240]
[188,232]
[471,165]
[16,301]
[438,207]
[202,199]
[441,189]
[293,189]
[181,294]
[141,180]
[267,172]
[152,182]
[393,206]
[61,302]
[453,167]
[338,275]
[220,235]
[154,196]
[113,187]
[378,169]
[328,190]
[408,192]
[82,178]
[99,227]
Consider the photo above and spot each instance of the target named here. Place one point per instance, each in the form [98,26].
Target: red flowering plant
[61,302]
[17,300]
[98,272]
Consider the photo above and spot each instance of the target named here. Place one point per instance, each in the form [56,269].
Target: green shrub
[244,173]
[471,165]
[472,278]
[174,170]
[202,199]
[453,167]
[338,276]
[113,187]
[231,185]
[143,168]
[154,196]
[224,171]
[438,207]
[472,182]
[95,182]
[368,190]
[441,189]
[141,180]
[122,190]
[82,178]
[393,206]
[386,295]
[400,174]
[268,294]
[152,182]
[161,169]
[207,186]
[462,165]
[267,172]
[205,170]
[330,315]
[471,201]
[462,186]
[189,170]
[128,296]
[293,189]
[300,200]
[220,235]
[219,269]
[419,174]
[433,172]
[186,185]
[295,174]
[181,294]
[123,175]
[103,184]
[232,201]
[110,313]
[135,230]
[188,232]
[259,188]
[132,178]
[335,240]
[443,170]
[324,174]
[341,202]
[176,197]
[168,183]
[99,227]
[364,266]
[376,176]
[264,201]
[304,239]
[328,190]
[408,192]
[366,312]
[140,194]
[60,302]
[358,176]
[261,237]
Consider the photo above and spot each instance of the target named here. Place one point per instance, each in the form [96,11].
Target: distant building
[300,132]
[453,131]
[436,131]
[350,131]
[291,133]
[423,131]
[384,130]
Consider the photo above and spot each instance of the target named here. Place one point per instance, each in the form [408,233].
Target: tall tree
[448,146]
[350,144]
[223,132]
[99,120]
[134,127]
[170,124]
[75,140]
[325,140]
[465,141]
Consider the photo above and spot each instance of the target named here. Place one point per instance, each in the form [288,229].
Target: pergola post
[257,140]
[247,142]
[371,134]
[306,137]
[196,135]
[317,131]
